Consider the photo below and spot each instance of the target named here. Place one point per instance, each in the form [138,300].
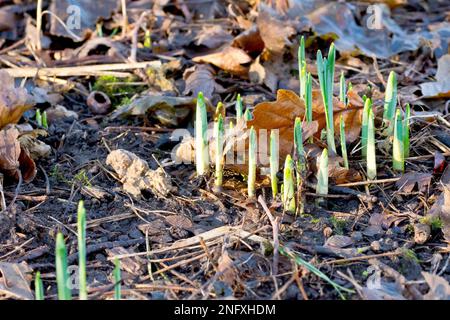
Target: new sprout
[117,280]
[81,224]
[302,67]
[38,287]
[62,276]
[342,89]
[252,163]
[238,107]
[325,69]
[39,117]
[343,142]
[274,162]
[398,160]
[219,135]
[390,102]
[308,98]
[248,115]
[298,145]
[322,175]
[406,131]
[201,138]
[364,132]
[44,120]
[371,156]
[288,185]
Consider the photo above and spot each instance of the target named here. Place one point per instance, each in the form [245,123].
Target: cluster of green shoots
[62,274]
[41,118]
[295,164]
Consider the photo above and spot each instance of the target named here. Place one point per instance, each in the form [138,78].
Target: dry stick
[27,72]
[275,225]
[134,37]
[372,256]
[124,18]
[38,25]
[363,183]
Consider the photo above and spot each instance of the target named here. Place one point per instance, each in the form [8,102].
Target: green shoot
[117,280]
[62,276]
[308,98]
[38,287]
[44,120]
[274,162]
[365,120]
[371,155]
[342,89]
[239,108]
[343,142]
[322,175]
[390,102]
[201,138]
[248,115]
[147,39]
[302,67]
[219,135]
[406,131]
[39,117]
[288,183]
[81,224]
[252,163]
[298,145]
[398,159]
[325,69]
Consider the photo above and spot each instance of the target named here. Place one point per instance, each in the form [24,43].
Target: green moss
[338,225]
[117,89]
[434,222]
[82,178]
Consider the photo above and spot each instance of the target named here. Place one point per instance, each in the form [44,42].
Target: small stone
[375,246]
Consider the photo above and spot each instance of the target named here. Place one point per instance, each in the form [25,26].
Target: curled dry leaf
[408,181]
[200,78]
[441,87]
[281,114]
[229,58]
[15,160]
[13,101]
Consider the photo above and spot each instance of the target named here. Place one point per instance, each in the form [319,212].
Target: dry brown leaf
[230,59]
[15,280]
[226,267]
[200,78]
[410,179]
[213,37]
[441,87]
[274,32]
[260,74]
[250,41]
[13,158]
[13,101]
[281,114]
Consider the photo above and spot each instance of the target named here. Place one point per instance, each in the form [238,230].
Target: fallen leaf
[180,221]
[409,180]
[15,280]
[262,75]
[339,241]
[200,78]
[441,87]
[13,101]
[230,59]
[250,41]
[281,114]
[14,159]
[226,268]
[439,287]
[213,37]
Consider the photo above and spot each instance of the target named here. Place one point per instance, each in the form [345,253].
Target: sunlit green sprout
[252,154]
[248,115]
[390,102]
[342,89]
[219,136]
[44,120]
[81,224]
[117,279]
[62,276]
[364,129]
[274,162]
[302,67]
[201,138]
[38,287]
[398,156]
[343,142]
[322,175]
[325,69]
[39,117]
[288,185]
[406,123]
[371,155]
[239,107]
[308,98]
[298,146]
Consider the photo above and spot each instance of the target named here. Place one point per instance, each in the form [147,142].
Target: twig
[275,222]
[124,18]
[363,183]
[38,25]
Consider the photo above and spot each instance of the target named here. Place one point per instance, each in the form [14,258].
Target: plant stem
[39,117]
[238,108]
[406,131]
[343,142]
[322,175]
[219,135]
[38,287]
[274,162]
[298,145]
[302,67]
[342,89]
[288,183]
[81,224]
[62,276]
[117,279]
[390,102]
[371,155]
[44,120]
[398,160]
[201,138]
[252,149]
[364,129]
